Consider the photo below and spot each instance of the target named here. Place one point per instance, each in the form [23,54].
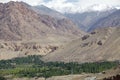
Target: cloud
[71,5]
[59,5]
[80,5]
[91,2]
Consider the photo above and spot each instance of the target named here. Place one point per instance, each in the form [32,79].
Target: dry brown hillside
[102,44]
[24,31]
[19,22]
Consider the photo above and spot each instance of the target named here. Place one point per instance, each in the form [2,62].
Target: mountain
[57,15]
[100,45]
[47,11]
[112,20]
[85,20]
[100,8]
[81,7]
[18,21]
[24,31]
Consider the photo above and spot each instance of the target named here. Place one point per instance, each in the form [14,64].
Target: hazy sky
[62,5]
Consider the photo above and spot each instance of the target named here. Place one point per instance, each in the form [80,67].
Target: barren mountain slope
[112,20]
[48,11]
[102,44]
[86,20]
[22,29]
[18,22]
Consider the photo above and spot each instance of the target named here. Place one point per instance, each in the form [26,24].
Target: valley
[38,42]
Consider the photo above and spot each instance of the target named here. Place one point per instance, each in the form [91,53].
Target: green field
[32,66]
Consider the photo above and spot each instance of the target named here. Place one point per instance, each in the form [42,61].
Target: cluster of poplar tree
[33,66]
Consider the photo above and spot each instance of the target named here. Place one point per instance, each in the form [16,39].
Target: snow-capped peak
[95,7]
[99,7]
[118,7]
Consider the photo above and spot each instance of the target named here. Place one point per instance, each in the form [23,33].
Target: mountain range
[25,31]
[102,44]
[83,7]
[112,20]
[21,22]
[83,19]
[70,37]
[86,20]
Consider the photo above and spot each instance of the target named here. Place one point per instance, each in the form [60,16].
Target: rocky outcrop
[10,50]
[26,46]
